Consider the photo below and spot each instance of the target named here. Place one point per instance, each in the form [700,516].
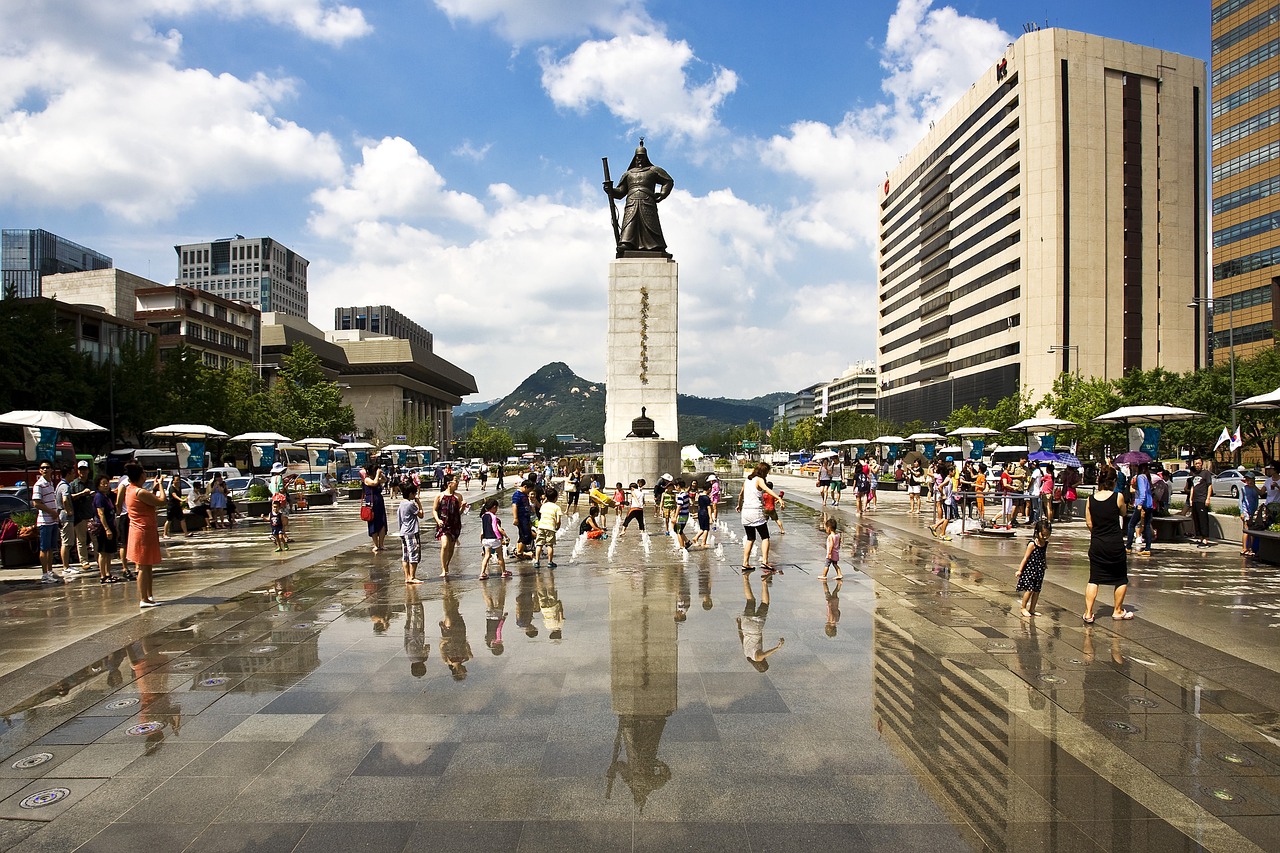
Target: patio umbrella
[1269,400]
[273,437]
[61,421]
[1042,425]
[855,442]
[186,431]
[889,439]
[1146,415]
[395,448]
[828,444]
[357,445]
[965,432]
[926,436]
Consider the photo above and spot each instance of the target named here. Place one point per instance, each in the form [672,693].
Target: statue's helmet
[641,157]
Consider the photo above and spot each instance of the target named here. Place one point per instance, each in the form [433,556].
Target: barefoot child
[703,501]
[278,523]
[408,513]
[833,550]
[492,538]
[549,517]
[771,507]
[1030,573]
[591,525]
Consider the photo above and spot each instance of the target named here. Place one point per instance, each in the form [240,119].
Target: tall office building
[1052,221]
[381,320]
[257,270]
[1246,175]
[27,255]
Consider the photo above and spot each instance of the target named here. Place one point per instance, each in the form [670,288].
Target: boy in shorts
[771,507]
[408,513]
[549,517]
[680,516]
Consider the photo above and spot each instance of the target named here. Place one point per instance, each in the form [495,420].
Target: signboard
[929,447]
[1150,441]
[978,445]
[749,445]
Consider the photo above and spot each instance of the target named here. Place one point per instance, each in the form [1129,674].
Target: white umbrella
[273,437]
[186,431]
[926,436]
[965,432]
[1042,425]
[357,445]
[828,444]
[315,442]
[395,448]
[1269,400]
[826,454]
[425,448]
[854,442]
[889,439]
[690,452]
[1147,414]
[61,421]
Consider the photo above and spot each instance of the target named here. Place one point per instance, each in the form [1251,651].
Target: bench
[1266,545]
[1170,528]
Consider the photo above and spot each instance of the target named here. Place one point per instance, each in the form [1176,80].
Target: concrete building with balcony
[258,270]
[225,333]
[1246,177]
[796,409]
[1053,220]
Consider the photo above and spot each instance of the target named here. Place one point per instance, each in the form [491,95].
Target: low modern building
[384,379]
[223,332]
[855,390]
[257,270]
[796,409]
[28,255]
[380,320]
[1054,220]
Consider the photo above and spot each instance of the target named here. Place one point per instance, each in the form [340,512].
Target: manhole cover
[262,650]
[47,797]
[143,729]
[302,626]
[1222,794]
[216,681]
[1233,758]
[117,704]
[1053,679]
[32,761]
[995,644]
[188,664]
[1122,727]
[1142,701]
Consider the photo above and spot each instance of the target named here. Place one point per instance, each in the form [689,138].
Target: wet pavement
[312,701]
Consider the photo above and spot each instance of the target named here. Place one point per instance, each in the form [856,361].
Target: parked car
[1178,481]
[9,504]
[1231,481]
[238,487]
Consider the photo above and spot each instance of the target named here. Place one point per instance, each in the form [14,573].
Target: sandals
[1088,620]
[1127,614]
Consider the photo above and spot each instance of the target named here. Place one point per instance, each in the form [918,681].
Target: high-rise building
[1246,175]
[27,255]
[1053,221]
[381,320]
[854,390]
[257,270]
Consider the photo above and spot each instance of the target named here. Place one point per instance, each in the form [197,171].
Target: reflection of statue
[643,185]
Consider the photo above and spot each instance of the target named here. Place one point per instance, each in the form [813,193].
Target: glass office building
[27,255]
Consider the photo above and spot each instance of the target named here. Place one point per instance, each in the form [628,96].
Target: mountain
[554,400]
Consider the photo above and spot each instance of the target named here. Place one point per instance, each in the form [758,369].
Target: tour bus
[16,468]
[1005,455]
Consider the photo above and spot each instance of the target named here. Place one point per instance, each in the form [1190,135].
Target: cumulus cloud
[930,56]
[669,101]
[95,108]
[526,21]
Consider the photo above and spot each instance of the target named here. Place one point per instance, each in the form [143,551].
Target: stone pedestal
[641,369]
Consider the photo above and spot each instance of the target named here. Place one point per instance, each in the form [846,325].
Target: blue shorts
[50,537]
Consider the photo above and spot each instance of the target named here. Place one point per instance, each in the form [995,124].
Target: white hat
[83,464]
[666,477]
[277,468]
[711,477]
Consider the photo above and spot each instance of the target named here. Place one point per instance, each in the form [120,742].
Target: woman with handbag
[102,527]
[373,510]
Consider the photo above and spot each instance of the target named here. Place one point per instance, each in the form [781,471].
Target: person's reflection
[751,624]
[454,648]
[415,632]
[704,587]
[525,597]
[157,707]
[833,606]
[685,596]
[378,592]
[550,605]
[495,612]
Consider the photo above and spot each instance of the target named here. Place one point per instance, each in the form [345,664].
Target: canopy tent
[690,453]
[47,419]
[1269,400]
[966,432]
[1042,425]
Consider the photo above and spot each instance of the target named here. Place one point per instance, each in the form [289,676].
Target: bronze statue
[643,185]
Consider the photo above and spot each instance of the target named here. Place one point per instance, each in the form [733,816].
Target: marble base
[628,460]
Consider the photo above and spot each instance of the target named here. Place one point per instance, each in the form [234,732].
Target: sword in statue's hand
[613,210]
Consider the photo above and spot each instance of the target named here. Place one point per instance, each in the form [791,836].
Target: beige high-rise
[1060,203]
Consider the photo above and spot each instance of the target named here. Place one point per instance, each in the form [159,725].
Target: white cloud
[525,21]
[610,73]
[95,108]
[931,56]
[468,150]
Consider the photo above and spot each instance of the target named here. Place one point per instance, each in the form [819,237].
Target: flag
[1223,439]
[1236,443]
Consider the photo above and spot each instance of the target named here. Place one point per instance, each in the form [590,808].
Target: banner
[321,458]
[928,450]
[402,457]
[862,451]
[978,446]
[191,454]
[361,456]
[1048,442]
[1150,441]
[46,443]
[893,452]
[263,455]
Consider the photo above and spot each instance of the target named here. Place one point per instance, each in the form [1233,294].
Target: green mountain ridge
[554,400]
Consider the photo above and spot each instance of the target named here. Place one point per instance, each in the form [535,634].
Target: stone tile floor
[318,703]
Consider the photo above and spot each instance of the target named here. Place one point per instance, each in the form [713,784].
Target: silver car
[1231,482]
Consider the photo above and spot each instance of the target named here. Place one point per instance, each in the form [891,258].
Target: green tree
[306,402]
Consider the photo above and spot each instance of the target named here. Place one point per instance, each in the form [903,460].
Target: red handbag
[366,512]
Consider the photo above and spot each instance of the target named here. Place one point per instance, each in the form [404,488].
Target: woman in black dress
[1108,563]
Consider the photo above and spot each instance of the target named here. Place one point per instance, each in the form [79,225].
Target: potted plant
[355,489]
[16,553]
[257,500]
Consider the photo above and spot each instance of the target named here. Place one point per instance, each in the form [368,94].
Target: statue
[643,185]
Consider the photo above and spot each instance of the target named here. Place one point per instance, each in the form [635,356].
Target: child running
[620,500]
[1030,573]
[635,511]
[833,550]
[492,539]
[681,517]
[279,523]
[703,501]
[549,517]
[408,513]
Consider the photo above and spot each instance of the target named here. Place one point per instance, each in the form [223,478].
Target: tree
[306,403]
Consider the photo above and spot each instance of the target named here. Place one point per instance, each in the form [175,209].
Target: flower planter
[16,553]
[320,499]
[355,494]
[257,509]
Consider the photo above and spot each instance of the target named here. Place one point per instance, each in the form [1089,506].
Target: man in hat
[643,185]
[80,494]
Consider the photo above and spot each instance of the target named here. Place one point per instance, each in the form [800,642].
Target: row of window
[1223,340]
[1248,127]
[1243,96]
[1255,57]
[1225,10]
[1248,263]
[1245,230]
[1248,28]
[1250,298]
[1246,161]
[1247,195]
[952,367]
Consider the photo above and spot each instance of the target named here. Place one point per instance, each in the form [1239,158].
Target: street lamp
[1207,302]
[1068,348]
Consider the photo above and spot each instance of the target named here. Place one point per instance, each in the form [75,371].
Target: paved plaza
[312,701]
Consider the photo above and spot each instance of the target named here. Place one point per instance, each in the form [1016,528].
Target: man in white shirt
[1034,489]
[45,500]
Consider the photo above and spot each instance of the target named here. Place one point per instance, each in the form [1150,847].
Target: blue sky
[443,156]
